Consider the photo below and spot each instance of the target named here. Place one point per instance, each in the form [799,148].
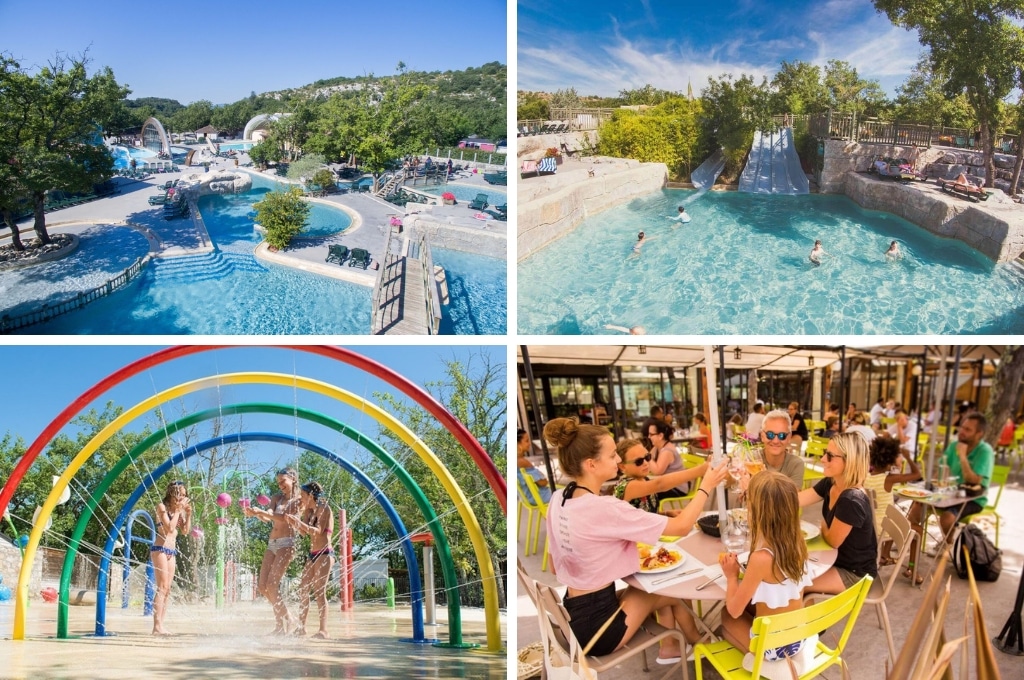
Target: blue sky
[40,381]
[189,50]
[602,47]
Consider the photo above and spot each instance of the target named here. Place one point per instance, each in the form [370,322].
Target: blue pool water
[123,156]
[236,146]
[478,289]
[741,267]
[228,292]
[465,193]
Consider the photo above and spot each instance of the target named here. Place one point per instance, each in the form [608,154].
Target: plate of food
[913,492]
[811,531]
[657,558]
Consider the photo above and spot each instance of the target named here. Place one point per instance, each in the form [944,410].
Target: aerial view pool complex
[230,292]
[741,266]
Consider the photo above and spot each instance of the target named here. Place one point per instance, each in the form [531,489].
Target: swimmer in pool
[641,239]
[681,218]
[894,252]
[817,253]
[635,330]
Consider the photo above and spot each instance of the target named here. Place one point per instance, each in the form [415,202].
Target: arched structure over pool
[262,121]
[154,137]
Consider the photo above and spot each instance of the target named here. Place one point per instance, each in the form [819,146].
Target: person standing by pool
[172,515]
[281,546]
[315,520]
[817,253]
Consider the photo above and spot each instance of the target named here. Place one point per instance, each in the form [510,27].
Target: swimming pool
[123,156]
[236,146]
[464,193]
[323,220]
[227,292]
[741,267]
[478,290]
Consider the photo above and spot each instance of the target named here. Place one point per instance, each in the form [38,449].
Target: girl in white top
[817,253]
[593,543]
[894,252]
[776,573]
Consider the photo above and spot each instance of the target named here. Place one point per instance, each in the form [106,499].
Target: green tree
[668,133]
[474,392]
[53,119]
[848,92]
[733,110]
[647,95]
[532,106]
[922,98]
[567,98]
[978,46]
[263,153]
[1007,391]
[282,214]
[194,116]
[323,177]
[797,88]
[306,166]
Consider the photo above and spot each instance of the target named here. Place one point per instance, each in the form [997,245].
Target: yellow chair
[818,440]
[1000,473]
[542,516]
[527,502]
[783,629]
[816,449]
[690,460]
[815,426]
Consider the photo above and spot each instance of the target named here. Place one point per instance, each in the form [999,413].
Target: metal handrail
[9,324]
[433,304]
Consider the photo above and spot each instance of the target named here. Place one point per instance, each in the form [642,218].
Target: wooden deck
[400,306]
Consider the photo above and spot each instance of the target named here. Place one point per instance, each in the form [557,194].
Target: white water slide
[773,166]
[704,177]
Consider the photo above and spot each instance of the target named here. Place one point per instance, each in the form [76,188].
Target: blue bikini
[170,552]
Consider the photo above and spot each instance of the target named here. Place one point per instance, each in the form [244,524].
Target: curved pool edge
[348,274]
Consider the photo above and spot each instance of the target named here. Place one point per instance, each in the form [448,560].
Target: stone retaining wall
[842,157]
[10,567]
[552,205]
[997,229]
[464,239]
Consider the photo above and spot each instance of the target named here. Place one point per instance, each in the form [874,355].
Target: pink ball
[224,500]
[244,502]
[197,532]
[263,499]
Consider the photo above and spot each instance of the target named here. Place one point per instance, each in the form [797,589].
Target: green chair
[479,203]
[359,258]
[337,254]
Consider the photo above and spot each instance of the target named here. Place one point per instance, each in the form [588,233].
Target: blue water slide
[773,166]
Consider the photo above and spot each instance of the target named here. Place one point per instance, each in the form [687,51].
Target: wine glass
[735,535]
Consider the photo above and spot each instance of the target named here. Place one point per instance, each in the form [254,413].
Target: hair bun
[561,431]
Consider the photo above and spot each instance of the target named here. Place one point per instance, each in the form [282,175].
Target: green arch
[443,549]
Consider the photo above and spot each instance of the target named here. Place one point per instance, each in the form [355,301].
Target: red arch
[412,390]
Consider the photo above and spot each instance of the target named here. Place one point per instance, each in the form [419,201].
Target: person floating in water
[817,253]
[635,330]
[641,239]
[682,217]
[894,252]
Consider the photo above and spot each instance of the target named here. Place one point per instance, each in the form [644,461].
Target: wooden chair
[562,649]
[770,632]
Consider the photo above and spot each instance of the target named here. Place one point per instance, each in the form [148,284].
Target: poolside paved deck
[230,643]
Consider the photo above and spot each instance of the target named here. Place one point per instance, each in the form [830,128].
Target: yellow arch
[382,417]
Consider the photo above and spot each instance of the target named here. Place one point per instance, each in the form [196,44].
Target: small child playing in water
[641,238]
[682,217]
[817,253]
[894,252]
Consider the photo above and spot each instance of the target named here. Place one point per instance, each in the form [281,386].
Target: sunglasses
[829,456]
[772,435]
[641,460]
[178,483]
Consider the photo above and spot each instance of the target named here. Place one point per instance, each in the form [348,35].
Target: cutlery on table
[711,580]
[675,576]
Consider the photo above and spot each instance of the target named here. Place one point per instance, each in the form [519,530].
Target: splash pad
[300,385]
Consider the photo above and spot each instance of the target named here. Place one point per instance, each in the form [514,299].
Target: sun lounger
[479,203]
[500,216]
[337,254]
[359,258]
[547,166]
[966,190]
[529,169]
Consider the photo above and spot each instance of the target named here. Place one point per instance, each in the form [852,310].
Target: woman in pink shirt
[593,543]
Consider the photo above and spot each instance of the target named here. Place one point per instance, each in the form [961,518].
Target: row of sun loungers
[356,257]
[551,128]
[545,166]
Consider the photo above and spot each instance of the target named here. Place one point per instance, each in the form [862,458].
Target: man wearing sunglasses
[775,435]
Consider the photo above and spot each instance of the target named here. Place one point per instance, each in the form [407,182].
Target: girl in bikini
[776,573]
[172,515]
[281,546]
[315,520]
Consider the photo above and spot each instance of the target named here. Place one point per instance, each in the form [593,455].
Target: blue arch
[151,478]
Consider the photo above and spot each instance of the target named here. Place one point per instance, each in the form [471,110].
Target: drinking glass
[735,535]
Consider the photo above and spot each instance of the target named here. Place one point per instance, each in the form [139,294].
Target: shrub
[282,214]
[551,153]
[324,177]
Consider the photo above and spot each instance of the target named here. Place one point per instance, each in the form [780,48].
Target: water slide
[773,166]
[704,177]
